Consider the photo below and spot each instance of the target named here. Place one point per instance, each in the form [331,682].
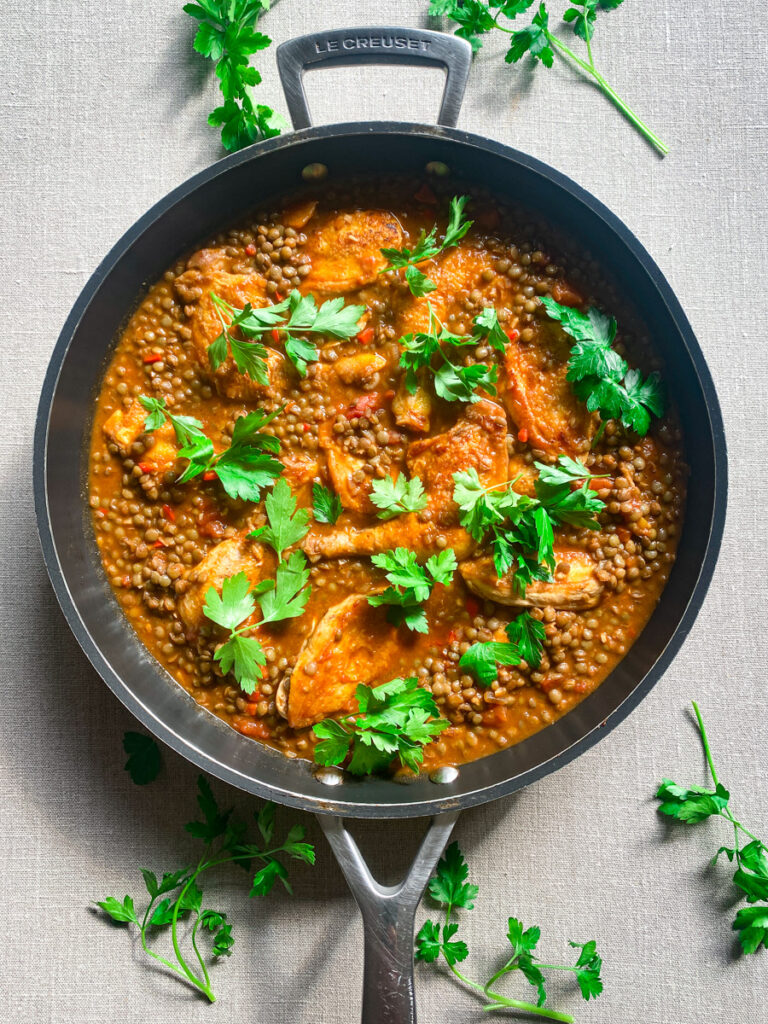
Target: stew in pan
[387,431]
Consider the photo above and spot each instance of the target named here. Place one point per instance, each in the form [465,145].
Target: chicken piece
[352,644]
[345,250]
[539,398]
[300,471]
[455,274]
[344,469]
[125,427]
[358,368]
[575,585]
[408,531]
[206,274]
[477,441]
[229,557]
[412,411]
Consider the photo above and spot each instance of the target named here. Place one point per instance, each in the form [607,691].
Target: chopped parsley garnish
[284,597]
[292,317]
[452,381]
[411,585]
[286,525]
[693,804]
[244,469]
[526,641]
[600,376]
[451,890]
[427,247]
[177,896]
[326,504]
[143,764]
[394,720]
[475,18]
[227,36]
[521,528]
[393,497]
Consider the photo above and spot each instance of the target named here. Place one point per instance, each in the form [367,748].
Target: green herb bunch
[520,527]
[600,376]
[227,36]
[476,18]
[451,891]
[427,247]
[394,720]
[411,584]
[177,896]
[692,805]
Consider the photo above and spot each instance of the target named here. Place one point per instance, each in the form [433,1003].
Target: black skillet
[199,208]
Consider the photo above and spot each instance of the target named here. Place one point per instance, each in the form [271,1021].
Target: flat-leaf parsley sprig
[600,376]
[244,469]
[227,36]
[284,597]
[694,804]
[521,527]
[411,584]
[290,318]
[451,891]
[394,720]
[477,17]
[177,895]
[525,642]
[427,247]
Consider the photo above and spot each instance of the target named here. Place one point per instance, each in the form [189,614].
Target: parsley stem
[204,986]
[611,93]
[705,742]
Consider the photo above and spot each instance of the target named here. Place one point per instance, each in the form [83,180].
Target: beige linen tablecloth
[103,111]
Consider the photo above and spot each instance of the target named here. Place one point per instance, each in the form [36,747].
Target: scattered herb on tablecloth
[144,761]
[692,805]
[436,940]
[177,895]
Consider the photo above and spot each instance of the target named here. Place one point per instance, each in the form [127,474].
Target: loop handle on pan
[413,46]
[388,914]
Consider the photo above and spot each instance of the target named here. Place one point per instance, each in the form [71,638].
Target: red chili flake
[250,249]
[306,427]
[146,467]
[425,195]
[522,434]
[366,336]
[275,335]
[453,636]
[513,335]
[102,511]
[209,475]
[472,606]
[159,543]
[169,514]
[126,581]
[153,357]
[247,726]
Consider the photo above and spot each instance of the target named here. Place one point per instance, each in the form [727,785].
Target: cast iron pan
[185,217]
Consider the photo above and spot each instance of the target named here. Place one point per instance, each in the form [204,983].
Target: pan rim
[321,803]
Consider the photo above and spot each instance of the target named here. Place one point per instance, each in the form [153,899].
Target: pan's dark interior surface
[200,207]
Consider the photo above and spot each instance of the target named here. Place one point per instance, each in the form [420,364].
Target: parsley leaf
[694,804]
[475,18]
[143,764]
[392,497]
[411,584]
[451,890]
[292,317]
[244,469]
[326,505]
[285,597]
[600,376]
[289,594]
[226,35]
[526,640]
[178,896]
[287,525]
[427,247]
[528,635]
[453,381]
[394,720]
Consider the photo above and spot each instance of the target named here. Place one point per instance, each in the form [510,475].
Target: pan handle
[388,915]
[414,46]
